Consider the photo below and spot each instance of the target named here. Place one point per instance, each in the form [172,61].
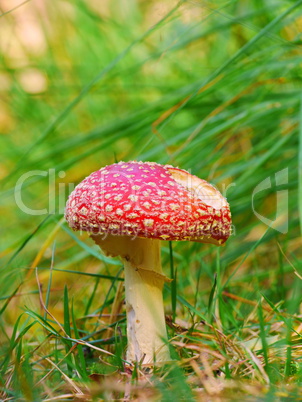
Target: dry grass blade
[66,378]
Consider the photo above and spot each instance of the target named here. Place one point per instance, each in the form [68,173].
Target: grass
[212,87]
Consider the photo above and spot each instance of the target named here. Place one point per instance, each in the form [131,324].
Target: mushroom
[127,208]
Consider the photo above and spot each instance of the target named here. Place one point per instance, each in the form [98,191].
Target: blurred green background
[213,87]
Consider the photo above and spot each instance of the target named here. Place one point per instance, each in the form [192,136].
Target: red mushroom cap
[149,200]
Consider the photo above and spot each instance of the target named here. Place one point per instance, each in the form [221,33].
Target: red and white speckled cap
[149,200]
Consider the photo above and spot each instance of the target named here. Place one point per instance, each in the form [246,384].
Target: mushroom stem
[144,280]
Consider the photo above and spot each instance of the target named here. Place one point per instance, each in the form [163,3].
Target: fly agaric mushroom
[127,208]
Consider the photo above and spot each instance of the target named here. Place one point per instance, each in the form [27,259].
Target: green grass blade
[47,297]
[80,361]
[211,302]
[90,300]
[173,275]
[67,328]
[300,167]
[28,238]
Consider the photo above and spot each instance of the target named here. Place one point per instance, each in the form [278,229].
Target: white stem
[144,280]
